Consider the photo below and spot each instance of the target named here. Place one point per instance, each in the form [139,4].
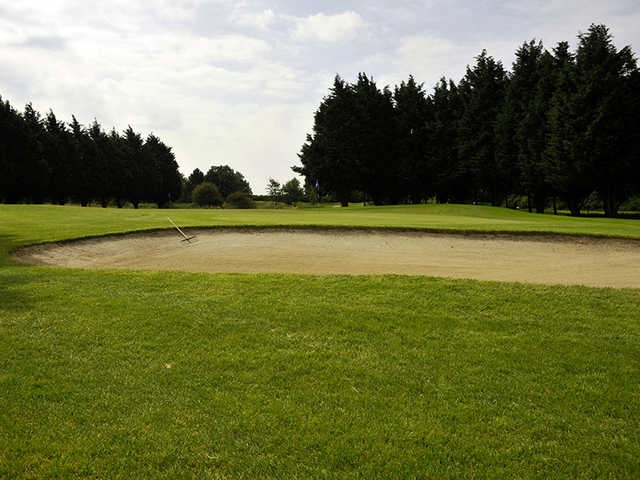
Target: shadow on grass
[14,279]
[14,290]
[623,215]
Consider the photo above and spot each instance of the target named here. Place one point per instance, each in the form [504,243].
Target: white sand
[544,259]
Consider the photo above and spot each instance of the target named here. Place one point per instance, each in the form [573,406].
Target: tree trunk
[574,207]
[540,201]
[494,197]
[610,205]
[344,199]
[555,206]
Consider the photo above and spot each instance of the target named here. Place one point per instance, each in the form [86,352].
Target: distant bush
[631,205]
[207,195]
[240,200]
[292,192]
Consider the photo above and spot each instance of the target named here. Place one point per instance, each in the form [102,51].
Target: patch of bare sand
[547,260]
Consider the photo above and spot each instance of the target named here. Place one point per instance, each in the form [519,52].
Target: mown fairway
[154,374]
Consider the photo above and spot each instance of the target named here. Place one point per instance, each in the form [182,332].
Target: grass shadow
[14,290]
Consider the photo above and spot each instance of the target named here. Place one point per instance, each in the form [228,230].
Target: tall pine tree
[482,90]
[411,110]
[568,167]
[607,106]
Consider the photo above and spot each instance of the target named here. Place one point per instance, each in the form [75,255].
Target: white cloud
[329,28]
[261,20]
[429,58]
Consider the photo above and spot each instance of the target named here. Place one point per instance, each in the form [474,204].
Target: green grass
[288,376]
[26,224]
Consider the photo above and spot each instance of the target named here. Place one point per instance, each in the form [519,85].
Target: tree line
[44,159]
[226,180]
[559,125]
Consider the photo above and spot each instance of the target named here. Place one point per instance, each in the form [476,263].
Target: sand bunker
[549,259]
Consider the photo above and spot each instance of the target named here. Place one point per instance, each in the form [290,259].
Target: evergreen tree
[533,136]
[122,177]
[506,143]
[42,159]
[195,179]
[103,175]
[166,177]
[83,160]
[35,169]
[568,166]
[57,152]
[13,142]
[607,106]
[411,109]
[450,176]
[520,130]
[137,164]
[328,156]
[372,128]
[482,90]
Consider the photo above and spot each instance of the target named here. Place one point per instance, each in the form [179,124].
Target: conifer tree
[103,174]
[195,179]
[13,143]
[328,156]
[83,160]
[411,109]
[34,171]
[450,177]
[567,164]
[123,173]
[132,147]
[607,108]
[373,133]
[57,152]
[482,90]
[520,130]
[166,178]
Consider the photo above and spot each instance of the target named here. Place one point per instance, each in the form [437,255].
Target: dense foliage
[225,178]
[292,192]
[559,125]
[207,195]
[45,159]
[240,200]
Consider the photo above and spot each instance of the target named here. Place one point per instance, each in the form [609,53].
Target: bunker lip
[530,257]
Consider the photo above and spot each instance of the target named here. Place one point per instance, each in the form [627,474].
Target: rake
[185,239]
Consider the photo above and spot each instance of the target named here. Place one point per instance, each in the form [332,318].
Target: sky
[237,82]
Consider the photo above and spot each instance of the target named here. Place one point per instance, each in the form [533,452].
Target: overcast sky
[237,83]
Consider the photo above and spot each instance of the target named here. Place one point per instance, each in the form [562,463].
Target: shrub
[240,200]
[207,195]
[292,192]
[631,205]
